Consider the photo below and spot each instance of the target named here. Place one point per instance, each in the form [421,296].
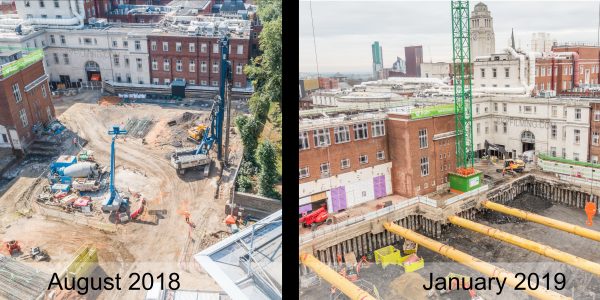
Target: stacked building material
[19,281]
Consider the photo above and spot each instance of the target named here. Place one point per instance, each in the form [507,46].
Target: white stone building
[440,70]
[118,54]
[558,127]
[541,42]
[506,72]
[483,40]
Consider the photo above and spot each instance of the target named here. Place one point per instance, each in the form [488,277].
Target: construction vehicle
[198,157]
[13,247]
[36,254]
[512,166]
[316,218]
[114,201]
[196,133]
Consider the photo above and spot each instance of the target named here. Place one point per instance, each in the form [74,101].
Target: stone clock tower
[483,41]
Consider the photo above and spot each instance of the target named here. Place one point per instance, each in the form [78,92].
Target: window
[167,81]
[166,65]
[504,127]
[341,134]
[215,67]
[303,140]
[360,131]
[486,128]
[178,65]
[424,166]
[52,40]
[597,115]
[477,108]
[240,49]
[27,4]
[203,82]
[58,16]
[153,45]
[495,126]
[237,84]
[553,151]
[42,3]
[192,65]
[178,47]
[543,72]
[118,76]
[504,107]
[576,135]
[378,128]
[216,48]
[155,81]
[138,45]
[528,109]
[44,94]
[214,83]
[87,41]
[578,114]
[496,107]
[154,64]
[482,73]
[23,117]
[192,82]
[115,43]
[192,47]
[478,126]
[56,3]
[16,92]
[380,155]
[494,72]
[116,59]
[304,173]
[66,58]
[56,61]
[44,16]
[506,72]
[363,159]
[325,169]
[595,138]
[239,68]
[63,40]
[554,111]
[165,46]
[203,67]
[344,163]
[553,131]
[423,138]
[138,62]
[575,156]
[203,48]
[321,137]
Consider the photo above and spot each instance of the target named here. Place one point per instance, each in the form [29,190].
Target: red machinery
[13,247]
[316,218]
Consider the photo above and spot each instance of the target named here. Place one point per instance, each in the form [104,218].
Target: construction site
[162,217]
[444,210]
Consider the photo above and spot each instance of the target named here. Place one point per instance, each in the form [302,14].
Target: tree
[249,129]
[267,176]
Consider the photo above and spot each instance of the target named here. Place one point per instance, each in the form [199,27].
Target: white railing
[467,194]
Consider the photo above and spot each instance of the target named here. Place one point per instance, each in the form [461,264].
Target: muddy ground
[579,284]
[140,168]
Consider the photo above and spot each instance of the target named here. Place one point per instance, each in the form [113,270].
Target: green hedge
[568,161]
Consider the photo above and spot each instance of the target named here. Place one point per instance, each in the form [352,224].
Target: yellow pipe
[560,225]
[469,261]
[538,248]
[337,280]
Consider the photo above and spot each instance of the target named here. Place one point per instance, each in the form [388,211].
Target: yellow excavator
[195,133]
[512,166]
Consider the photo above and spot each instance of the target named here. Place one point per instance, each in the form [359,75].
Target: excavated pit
[579,284]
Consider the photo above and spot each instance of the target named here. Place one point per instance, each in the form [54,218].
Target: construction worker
[186,214]
[590,211]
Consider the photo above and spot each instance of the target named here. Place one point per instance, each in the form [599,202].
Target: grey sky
[345,30]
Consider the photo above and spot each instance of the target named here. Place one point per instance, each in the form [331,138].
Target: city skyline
[357,25]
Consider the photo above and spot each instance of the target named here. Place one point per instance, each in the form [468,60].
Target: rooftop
[248,264]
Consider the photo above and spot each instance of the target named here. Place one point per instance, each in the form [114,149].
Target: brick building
[328,83]
[352,158]
[24,101]
[414,59]
[195,59]
[423,152]
[343,161]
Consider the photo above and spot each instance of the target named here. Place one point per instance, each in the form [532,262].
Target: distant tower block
[483,40]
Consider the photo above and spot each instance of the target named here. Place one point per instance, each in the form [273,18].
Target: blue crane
[215,131]
[108,203]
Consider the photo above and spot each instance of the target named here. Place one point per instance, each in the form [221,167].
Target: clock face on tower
[474,35]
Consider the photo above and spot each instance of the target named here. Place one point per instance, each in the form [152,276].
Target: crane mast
[461,60]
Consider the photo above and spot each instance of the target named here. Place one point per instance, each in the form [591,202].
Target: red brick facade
[38,108]
[562,75]
[313,157]
[202,53]
[406,153]
[328,83]
[594,142]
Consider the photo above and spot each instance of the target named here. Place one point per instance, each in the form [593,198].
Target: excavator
[196,133]
[512,166]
